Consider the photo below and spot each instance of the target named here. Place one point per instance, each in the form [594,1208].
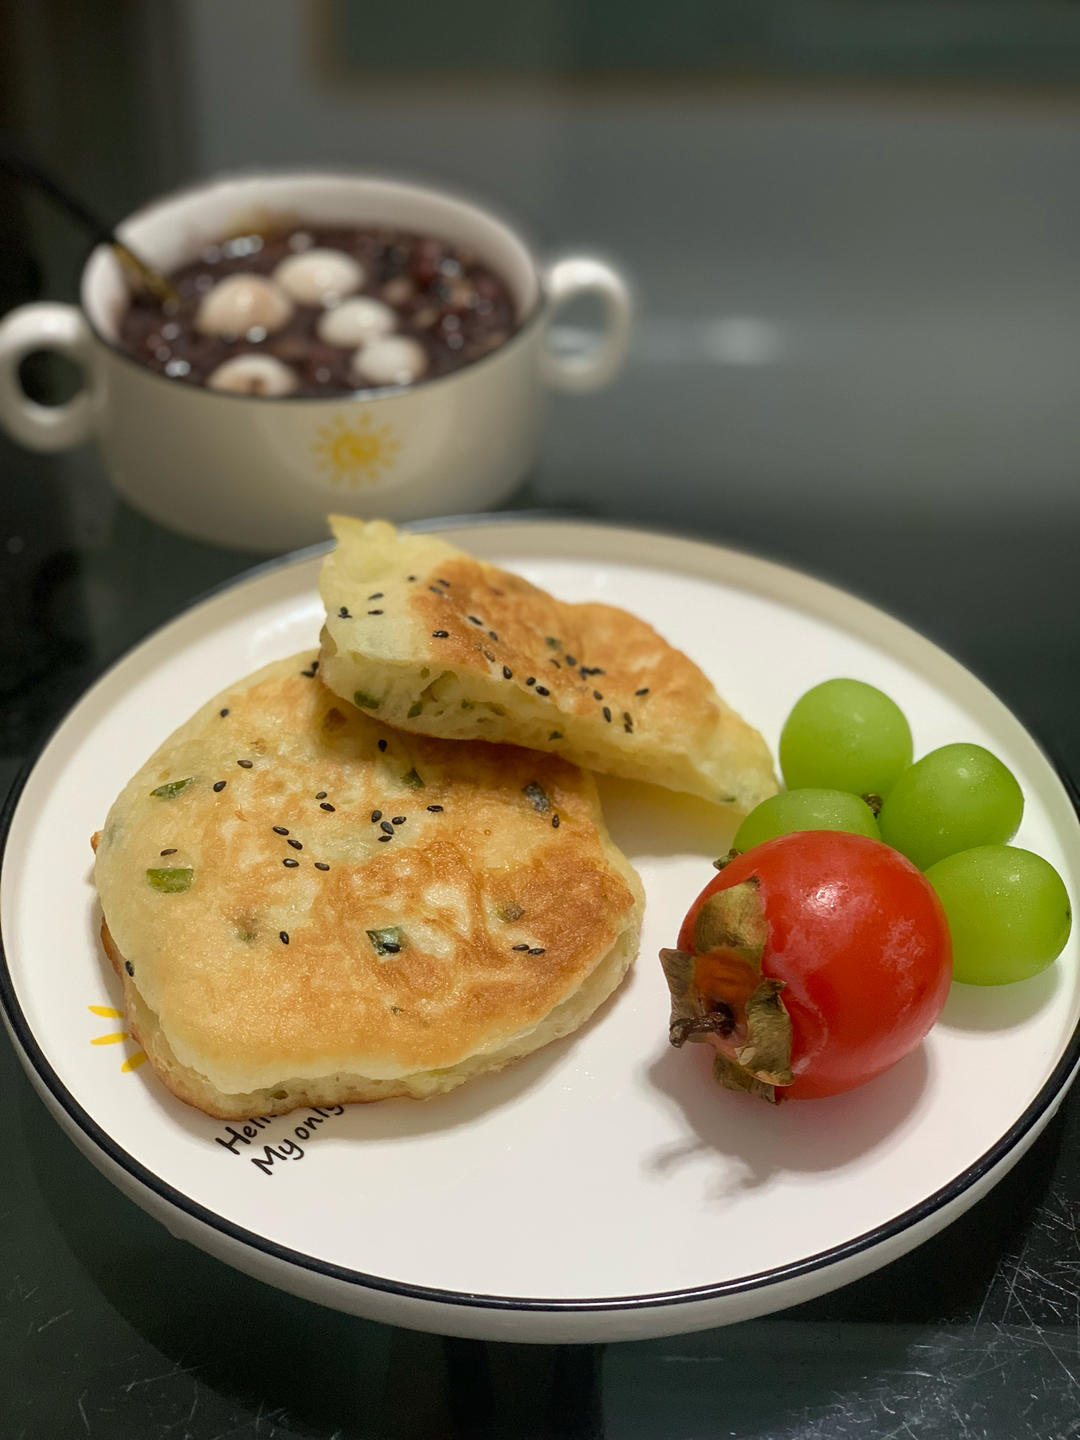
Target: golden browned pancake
[309,908]
[437,643]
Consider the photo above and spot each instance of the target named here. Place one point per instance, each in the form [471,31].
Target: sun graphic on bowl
[357,451]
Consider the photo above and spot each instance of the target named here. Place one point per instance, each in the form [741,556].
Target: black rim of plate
[1043,1103]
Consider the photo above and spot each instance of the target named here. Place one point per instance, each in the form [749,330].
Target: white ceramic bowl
[261,473]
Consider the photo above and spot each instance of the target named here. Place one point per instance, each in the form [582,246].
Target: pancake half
[438,643]
[307,908]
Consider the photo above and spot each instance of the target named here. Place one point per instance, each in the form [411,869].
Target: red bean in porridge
[321,310]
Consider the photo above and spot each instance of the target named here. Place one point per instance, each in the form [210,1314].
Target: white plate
[604,1188]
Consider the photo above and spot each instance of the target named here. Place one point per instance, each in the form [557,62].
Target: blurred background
[852,224]
[853,228]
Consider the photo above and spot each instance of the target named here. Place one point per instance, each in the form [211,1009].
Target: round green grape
[806,810]
[1008,913]
[952,799]
[845,735]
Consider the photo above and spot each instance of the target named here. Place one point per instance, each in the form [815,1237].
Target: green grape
[845,735]
[1008,913]
[952,799]
[806,810]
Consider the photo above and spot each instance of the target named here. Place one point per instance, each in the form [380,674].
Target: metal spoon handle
[16,162]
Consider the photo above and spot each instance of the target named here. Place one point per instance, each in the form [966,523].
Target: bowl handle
[45,326]
[600,363]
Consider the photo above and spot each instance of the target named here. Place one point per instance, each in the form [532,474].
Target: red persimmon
[812,963]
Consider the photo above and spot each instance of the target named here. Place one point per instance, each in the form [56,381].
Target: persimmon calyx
[719,995]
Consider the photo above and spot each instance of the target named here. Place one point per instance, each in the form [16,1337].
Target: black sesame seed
[386,827]
[519,947]
[508,674]
[321,865]
[245,764]
[326,805]
[628,719]
[343,612]
[436,591]
[410,577]
[170,851]
[377,596]
[129,967]
[571,661]
[374,612]
[440,634]
[607,713]
[493,635]
[628,728]
[555,822]
[314,664]
[308,674]
[475,620]
[596,695]
[283,936]
[279,830]
[290,863]
[385,838]
[296,845]
[542,690]
[376,815]
[382,744]
[536,950]
[219,785]
[389,948]
[399,819]
[435,809]
[442,581]
[556,664]
[320,795]
[224,712]
[531,680]
[643,691]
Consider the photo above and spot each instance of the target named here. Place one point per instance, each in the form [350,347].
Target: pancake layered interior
[431,641]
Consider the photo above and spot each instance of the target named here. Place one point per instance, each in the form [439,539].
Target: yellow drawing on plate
[356,451]
[113,1037]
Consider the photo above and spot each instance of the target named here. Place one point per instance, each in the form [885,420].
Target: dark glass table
[109,1328]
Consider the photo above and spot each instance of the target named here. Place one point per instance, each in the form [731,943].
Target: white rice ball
[239,302]
[356,321]
[254,375]
[389,360]
[319,276]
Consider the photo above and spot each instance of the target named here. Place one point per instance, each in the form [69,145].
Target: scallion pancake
[307,907]
[433,641]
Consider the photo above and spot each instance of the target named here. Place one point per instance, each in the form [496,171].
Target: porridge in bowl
[321,310]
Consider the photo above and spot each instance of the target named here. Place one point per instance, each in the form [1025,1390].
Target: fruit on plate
[811,964]
[1008,912]
[845,735]
[954,798]
[808,809]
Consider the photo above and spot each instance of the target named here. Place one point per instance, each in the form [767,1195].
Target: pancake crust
[438,643]
[238,1021]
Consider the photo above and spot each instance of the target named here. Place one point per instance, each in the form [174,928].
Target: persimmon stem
[721,1022]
